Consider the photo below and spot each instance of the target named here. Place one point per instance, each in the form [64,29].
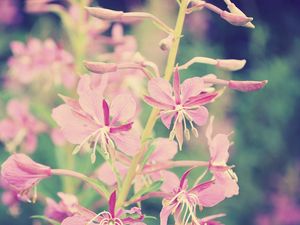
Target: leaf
[148,154]
[101,186]
[155,186]
[41,217]
[150,217]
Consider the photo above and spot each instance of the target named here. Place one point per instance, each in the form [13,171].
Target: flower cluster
[103,118]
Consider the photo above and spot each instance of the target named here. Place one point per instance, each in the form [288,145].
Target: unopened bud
[247,86]
[100,67]
[187,134]
[234,19]
[113,15]
[102,13]
[230,64]
[235,10]
[166,43]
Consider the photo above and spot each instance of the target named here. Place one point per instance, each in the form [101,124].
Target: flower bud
[166,43]
[100,67]
[234,19]
[247,86]
[21,173]
[113,15]
[230,64]
[106,14]
[235,10]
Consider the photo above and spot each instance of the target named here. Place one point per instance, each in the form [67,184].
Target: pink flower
[67,207]
[183,103]
[182,202]
[43,62]
[164,151]
[22,174]
[21,128]
[90,120]
[10,198]
[9,12]
[219,155]
[133,216]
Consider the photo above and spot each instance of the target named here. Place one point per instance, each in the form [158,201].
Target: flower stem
[153,116]
[93,183]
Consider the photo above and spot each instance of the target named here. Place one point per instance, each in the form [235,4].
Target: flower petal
[165,149]
[157,104]
[199,115]
[211,196]
[161,90]
[165,213]
[123,108]
[219,149]
[166,118]
[191,87]
[128,142]
[176,86]
[170,180]
[75,127]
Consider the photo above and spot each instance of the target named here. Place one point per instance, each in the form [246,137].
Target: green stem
[153,116]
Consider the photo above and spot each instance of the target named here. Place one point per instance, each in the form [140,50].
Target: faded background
[266,123]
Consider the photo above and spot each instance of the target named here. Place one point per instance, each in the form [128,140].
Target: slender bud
[106,14]
[234,19]
[235,10]
[247,86]
[100,67]
[230,64]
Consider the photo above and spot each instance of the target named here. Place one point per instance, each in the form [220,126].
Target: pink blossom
[9,12]
[67,207]
[91,119]
[10,198]
[43,62]
[22,174]
[182,102]
[21,128]
[182,202]
[219,155]
[133,216]
[164,151]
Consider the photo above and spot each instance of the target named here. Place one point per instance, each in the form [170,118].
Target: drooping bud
[235,10]
[230,64]
[21,173]
[247,86]
[166,43]
[100,67]
[234,19]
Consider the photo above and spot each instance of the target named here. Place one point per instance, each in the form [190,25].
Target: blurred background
[265,123]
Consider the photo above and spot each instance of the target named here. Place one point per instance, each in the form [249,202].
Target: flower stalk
[153,116]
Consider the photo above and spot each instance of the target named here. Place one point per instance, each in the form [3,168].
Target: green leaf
[101,186]
[148,154]
[41,217]
[150,217]
[155,186]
